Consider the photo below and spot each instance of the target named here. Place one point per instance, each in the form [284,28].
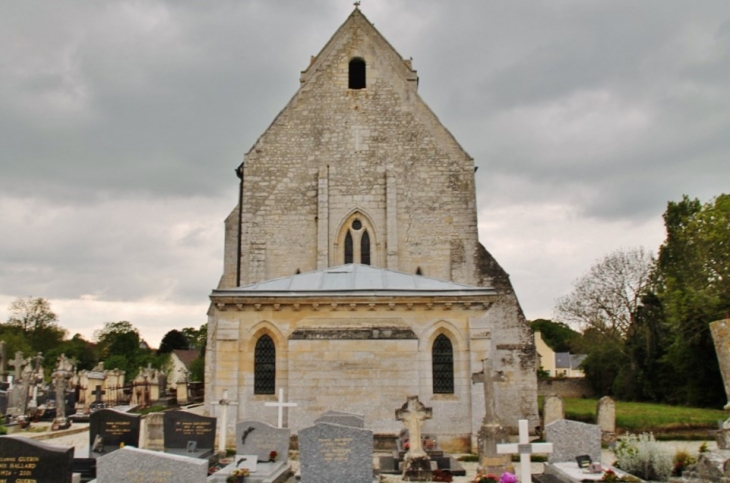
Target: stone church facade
[353,274]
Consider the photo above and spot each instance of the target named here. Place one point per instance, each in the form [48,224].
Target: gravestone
[416,464]
[154,432]
[133,465]
[189,434]
[571,439]
[332,452]
[342,418]
[553,409]
[25,460]
[112,428]
[606,419]
[259,438]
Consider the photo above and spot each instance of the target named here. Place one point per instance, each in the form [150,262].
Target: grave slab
[131,465]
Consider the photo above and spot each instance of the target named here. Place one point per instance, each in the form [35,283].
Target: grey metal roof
[355,279]
[562,360]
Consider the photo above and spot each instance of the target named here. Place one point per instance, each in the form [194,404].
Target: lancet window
[442,357]
[264,378]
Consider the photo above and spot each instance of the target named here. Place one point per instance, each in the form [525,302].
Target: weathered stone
[721,336]
[571,439]
[133,464]
[255,437]
[552,409]
[337,164]
[606,419]
[331,452]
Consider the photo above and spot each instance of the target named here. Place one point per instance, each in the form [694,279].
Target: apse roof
[355,279]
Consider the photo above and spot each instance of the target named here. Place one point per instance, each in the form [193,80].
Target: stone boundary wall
[573,387]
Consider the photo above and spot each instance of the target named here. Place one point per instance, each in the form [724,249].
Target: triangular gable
[357,20]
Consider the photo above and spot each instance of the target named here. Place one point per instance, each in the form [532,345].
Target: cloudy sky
[121,124]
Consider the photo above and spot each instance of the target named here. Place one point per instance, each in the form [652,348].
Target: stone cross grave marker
[281,405]
[524,448]
[416,463]
[17,363]
[26,460]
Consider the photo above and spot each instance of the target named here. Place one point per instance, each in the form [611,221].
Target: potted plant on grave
[238,476]
[272,456]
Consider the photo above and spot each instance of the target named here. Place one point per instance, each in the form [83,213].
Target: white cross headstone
[525,449]
[281,405]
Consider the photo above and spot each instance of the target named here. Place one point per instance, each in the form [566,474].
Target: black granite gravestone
[24,460]
[112,428]
[182,428]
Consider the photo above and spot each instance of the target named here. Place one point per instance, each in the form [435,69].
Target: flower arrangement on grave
[238,475]
[273,455]
[483,477]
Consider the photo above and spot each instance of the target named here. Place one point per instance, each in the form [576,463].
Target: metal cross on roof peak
[357,4]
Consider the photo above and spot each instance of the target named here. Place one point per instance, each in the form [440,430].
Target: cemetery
[330,357]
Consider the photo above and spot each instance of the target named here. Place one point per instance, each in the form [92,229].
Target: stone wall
[573,387]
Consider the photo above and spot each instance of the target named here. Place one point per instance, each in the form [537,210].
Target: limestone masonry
[353,274]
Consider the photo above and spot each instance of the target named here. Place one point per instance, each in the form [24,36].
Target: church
[353,273]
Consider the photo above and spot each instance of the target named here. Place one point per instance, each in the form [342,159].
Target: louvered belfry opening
[443,365]
[264,378]
[357,74]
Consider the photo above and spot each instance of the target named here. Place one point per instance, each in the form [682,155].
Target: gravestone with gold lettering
[110,430]
[25,460]
[189,434]
[134,465]
[332,452]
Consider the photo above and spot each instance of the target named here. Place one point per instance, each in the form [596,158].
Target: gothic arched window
[264,377]
[357,237]
[365,248]
[357,74]
[442,357]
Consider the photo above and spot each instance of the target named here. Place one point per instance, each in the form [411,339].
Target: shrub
[682,460]
[641,456]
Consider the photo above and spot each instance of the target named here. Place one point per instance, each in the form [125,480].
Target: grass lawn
[660,419]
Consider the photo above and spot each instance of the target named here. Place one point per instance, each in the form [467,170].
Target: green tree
[693,286]
[173,340]
[119,340]
[558,336]
[607,297]
[197,339]
[34,319]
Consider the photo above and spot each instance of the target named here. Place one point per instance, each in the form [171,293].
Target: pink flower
[508,478]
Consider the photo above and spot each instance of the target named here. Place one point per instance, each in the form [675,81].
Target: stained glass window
[264,379]
[442,356]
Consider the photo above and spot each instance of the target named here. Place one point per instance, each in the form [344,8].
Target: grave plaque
[189,434]
[331,452]
[113,428]
[23,460]
[256,437]
[134,465]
